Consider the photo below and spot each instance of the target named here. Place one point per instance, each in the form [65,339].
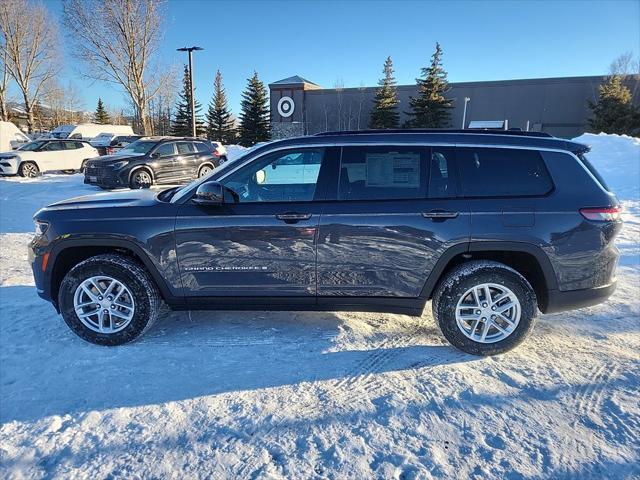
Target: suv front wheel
[485,307]
[109,299]
[141,178]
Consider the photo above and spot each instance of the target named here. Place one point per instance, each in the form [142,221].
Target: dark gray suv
[490,226]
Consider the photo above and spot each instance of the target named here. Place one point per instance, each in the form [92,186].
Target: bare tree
[118,40]
[625,65]
[4,82]
[29,45]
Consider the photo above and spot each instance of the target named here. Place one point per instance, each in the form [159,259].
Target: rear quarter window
[502,172]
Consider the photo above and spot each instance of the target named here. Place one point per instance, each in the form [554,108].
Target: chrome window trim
[186,196]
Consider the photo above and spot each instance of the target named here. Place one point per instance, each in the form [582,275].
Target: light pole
[193,104]
[464,112]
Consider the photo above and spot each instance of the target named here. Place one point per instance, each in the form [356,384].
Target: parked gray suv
[490,226]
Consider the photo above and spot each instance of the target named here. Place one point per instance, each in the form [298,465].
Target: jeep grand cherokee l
[491,227]
[152,160]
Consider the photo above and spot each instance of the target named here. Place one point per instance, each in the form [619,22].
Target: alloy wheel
[104,304]
[488,313]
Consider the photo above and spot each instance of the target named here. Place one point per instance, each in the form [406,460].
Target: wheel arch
[205,163]
[72,252]
[527,259]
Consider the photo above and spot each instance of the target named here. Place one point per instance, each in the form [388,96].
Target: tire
[69,172]
[205,169]
[141,178]
[139,292]
[28,170]
[456,290]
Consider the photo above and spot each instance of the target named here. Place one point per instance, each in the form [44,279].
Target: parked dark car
[153,161]
[491,227]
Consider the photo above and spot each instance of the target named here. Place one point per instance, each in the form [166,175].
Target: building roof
[295,80]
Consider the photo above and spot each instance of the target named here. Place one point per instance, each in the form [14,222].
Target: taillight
[216,153]
[110,150]
[604,214]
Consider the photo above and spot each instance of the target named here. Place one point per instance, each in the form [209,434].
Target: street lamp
[464,113]
[193,104]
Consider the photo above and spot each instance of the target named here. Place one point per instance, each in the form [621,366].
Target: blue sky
[349,40]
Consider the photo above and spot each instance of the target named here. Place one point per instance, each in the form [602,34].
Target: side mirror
[155,155]
[209,193]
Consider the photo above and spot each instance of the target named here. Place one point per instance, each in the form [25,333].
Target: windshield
[183,191]
[139,146]
[31,146]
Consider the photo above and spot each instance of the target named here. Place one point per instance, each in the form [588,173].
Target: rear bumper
[559,301]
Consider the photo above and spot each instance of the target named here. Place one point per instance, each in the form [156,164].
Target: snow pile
[617,159]
[274,395]
[235,151]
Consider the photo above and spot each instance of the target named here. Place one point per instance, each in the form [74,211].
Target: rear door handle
[293,217]
[439,214]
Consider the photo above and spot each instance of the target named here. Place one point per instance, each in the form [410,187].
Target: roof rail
[484,131]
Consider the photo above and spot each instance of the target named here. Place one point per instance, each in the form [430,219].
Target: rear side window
[585,161]
[201,147]
[502,172]
[383,173]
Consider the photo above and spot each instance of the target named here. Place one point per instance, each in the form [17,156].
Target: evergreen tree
[101,116]
[219,122]
[254,114]
[385,112]
[430,108]
[181,126]
[614,111]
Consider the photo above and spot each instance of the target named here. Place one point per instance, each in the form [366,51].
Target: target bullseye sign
[286,106]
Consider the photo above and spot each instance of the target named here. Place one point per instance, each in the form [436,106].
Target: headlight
[120,164]
[41,228]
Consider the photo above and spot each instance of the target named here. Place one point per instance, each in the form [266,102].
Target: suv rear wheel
[141,178]
[485,307]
[108,299]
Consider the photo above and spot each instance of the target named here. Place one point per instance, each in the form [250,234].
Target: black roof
[501,138]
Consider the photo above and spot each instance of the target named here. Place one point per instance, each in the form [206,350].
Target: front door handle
[439,214]
[292,217]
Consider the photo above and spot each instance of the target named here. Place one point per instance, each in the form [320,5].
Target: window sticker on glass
[393,169]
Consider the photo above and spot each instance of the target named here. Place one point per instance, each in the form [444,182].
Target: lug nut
[100,298]
[478,312]
[493,317]
[109,298]
[483,319]
[484,305]
[113,306]
[493,308]
[105,311]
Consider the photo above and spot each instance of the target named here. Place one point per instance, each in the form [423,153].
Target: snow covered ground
[317,395]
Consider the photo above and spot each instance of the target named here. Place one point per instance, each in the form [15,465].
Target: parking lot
[313,395]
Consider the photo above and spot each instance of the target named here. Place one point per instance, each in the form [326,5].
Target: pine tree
[254,115]
[101,116]
[385,111]
[181,126]
[219,122]
[614,111]
[430,108]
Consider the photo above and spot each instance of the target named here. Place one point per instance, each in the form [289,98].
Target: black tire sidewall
[143,308]
[448,296]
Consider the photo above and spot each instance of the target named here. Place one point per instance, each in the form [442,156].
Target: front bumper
[560,301]
[104,177]
[9,166]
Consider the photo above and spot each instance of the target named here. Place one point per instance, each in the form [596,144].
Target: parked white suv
[46,155]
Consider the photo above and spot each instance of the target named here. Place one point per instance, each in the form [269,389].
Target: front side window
[383,173]
[289,176]
[52,147]
[502,172]
[165,150]
[32,146]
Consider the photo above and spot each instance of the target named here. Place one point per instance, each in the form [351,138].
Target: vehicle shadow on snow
[46,370]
